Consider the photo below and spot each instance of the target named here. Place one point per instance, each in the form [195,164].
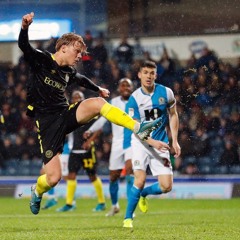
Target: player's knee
[129,169]
[166,187]
[114,177]
[100,102]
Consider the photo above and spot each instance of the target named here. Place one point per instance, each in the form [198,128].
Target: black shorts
[87,161]
[52,130]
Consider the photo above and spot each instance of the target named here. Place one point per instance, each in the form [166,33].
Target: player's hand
[27,20]
[87,145]
[103,92]
[177,149]
[87,134]
[159,145]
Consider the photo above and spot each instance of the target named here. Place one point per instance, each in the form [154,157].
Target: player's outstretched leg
[117,116]
[35,201]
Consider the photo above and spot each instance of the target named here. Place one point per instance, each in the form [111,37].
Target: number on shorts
[88,162]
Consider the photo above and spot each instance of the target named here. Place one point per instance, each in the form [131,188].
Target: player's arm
[159,145]
[173,121]
[174,125]
[89,84]
[87,145]
[23,41]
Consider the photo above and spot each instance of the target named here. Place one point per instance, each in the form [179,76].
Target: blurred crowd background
[206,87]
[208,101]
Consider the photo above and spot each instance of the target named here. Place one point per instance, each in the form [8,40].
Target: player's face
[125,89]
[73,53]
[147,77]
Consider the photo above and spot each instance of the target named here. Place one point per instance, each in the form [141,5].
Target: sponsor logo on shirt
[54,84]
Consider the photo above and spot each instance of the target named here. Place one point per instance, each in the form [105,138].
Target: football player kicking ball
[54,117]
[151,101]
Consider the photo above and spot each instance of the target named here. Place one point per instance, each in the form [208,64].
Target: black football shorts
[86,161]
[52,130]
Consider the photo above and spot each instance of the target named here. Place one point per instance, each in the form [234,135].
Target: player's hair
[129,81]
[70,38]
[79,93]
[148,64]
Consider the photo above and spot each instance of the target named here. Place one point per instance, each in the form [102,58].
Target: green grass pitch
[166,219]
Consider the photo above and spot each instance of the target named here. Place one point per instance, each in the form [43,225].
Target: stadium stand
[208,97]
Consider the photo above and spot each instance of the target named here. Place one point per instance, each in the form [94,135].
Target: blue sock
[132,201]
[113,189]
[153,189]
[129,181]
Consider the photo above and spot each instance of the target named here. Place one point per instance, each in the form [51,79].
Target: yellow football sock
[99,190]
[117,116]
[71,189]
[42,185]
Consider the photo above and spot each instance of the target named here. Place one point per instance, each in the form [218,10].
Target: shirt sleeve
[171,98]
[86,82]
[23,43]
[97,125]
[31,55]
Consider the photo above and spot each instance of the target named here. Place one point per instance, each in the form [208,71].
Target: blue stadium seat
[35,167]
[12,167]
[235,169]
[24,168]
[205,169]
[205,161]
[221,170]
[189,159]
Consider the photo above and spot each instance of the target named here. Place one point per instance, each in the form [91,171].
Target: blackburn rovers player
[151,101]
[120,156]
[55,118]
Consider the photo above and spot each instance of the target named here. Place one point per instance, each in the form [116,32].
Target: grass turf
[166,219]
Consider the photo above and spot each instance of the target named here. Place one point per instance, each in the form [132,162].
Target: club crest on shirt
[161,101]
[49,154]
[67,77]
[136,163]
[53,71]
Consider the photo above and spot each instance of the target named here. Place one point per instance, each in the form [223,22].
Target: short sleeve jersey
[146,107]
